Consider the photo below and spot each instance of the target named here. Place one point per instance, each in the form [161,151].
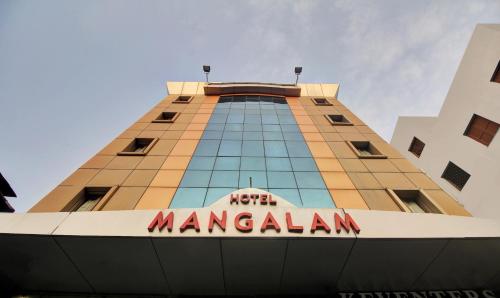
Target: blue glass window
[188,198]
[273,135]
[309,180]
[251,136]
[316,198]
[278,164]
[303,164]
[269,127]
[234,127]
[212,135]
[297,149]
[259,179]
[230,148]
[290,194]
[275,149]
[293,136]
[215,126]
[224,179]
[252,148]
[196,178]
[232,135]
[281,180]
[201,163]
[227,163]
[214,194]
[207,148]
[253,163]
[290,128]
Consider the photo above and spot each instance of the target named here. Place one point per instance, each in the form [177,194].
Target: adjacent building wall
[470,93]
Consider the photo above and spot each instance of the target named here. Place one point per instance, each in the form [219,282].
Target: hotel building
[459,148]
[249,189]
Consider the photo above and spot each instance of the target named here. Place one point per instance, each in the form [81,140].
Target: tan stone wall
[150,181]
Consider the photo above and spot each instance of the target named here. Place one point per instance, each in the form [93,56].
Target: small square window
[166,117]
[496,75]
[414,200]
[139,146]
[481,129]
[321,101]
[183,99]
[455,175]
[365,149]
[416,147]
[90,199]
[338,119]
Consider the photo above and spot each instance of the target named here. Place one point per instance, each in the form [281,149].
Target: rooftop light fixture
[298,71]
[206,69]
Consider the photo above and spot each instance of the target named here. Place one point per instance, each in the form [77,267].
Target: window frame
[458,187]
[496,74]
[338,123]
[413,141]
[479,140]
[429,205]
[80,198]
[141,153]
[327,102]
[178,99]
[378,154]
[159,119]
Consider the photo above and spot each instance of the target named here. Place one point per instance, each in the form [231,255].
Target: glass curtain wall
[252,141]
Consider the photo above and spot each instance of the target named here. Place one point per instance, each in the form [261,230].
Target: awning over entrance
[115,252]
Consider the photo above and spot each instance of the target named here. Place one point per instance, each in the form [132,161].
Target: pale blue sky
[74,74]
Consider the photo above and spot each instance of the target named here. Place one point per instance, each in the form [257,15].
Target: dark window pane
[455,175]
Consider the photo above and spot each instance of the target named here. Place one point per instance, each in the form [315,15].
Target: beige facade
[149,180]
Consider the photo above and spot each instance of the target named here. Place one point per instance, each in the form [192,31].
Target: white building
[458,148]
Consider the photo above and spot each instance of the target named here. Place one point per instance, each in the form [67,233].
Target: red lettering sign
[247,216]
[292,228]
[190,223]
[221,222]
[346,224]
[161,222]
[270,223]
[319,224]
